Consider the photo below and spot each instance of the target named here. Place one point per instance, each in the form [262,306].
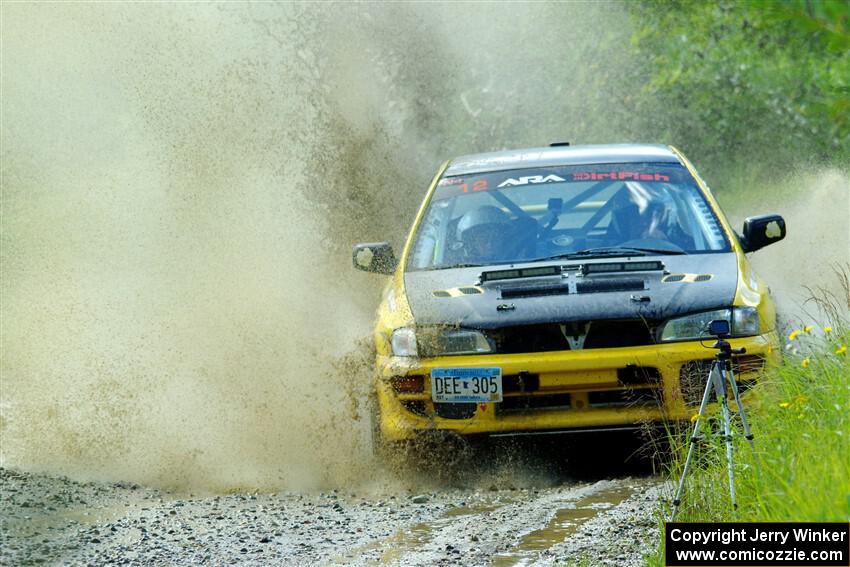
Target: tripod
[716,381]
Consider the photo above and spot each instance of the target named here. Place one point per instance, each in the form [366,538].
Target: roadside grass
[800,471]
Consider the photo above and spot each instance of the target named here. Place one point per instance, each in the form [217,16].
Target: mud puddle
[526,527]
[565,522]
[404,542]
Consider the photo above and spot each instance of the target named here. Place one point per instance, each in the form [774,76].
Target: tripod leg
[692,442]
[748,434]
[720,385]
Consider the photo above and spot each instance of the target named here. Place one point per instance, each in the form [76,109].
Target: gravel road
[54,520]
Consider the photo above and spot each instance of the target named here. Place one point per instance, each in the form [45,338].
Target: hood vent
[687,278]
[603,286]
[520,273]
[535,291]
[458,291]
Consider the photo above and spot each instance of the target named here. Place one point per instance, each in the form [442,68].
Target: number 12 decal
[480,185]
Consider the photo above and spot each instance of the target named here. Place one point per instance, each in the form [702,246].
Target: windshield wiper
[601,252]
[658,250]
[451,266]
[608,251]
[591,253]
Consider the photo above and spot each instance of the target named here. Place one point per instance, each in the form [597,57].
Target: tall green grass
[800,470]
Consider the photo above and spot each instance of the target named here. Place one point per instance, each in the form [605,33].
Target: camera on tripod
[719,375]
[722,330]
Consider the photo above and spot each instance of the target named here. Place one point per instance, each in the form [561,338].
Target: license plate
[460,385]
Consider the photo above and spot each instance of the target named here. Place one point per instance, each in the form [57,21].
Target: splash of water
[804,270]
[181,185]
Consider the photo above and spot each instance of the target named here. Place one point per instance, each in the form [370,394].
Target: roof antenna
[556,144]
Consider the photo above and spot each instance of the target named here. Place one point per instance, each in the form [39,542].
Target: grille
[747,363]
[535,291]
[548,337]
[692,379]
[632,375]
[529,338]
[524,382]
[454,411]
[523,404]
[693,375]
[416,407]
[602,286]
[623,398]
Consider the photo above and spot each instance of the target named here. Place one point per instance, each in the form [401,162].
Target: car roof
[561,155]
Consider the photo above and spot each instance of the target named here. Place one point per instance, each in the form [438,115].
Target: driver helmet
[482,232]
[640,212]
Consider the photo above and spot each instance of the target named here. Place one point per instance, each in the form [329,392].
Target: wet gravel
[621,535]
[53,520]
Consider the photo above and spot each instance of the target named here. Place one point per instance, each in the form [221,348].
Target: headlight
[438,341]
[456,341]
[743,320]
[403,342]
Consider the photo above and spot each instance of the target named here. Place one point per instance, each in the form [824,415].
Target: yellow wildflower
[694,417]
[794,334]
[827,329]
[841,350]
[785,405]
[808,329]
[805,362]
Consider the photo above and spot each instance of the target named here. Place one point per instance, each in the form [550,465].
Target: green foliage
[801,423]
[763,81]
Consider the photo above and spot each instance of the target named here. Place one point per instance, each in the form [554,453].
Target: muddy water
[565,522]
[181,187]
[520,527]
[816,216]
[395,549]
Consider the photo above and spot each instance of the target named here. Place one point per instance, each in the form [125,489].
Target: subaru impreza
[563,289]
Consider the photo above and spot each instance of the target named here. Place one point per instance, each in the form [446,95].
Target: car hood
[686,284]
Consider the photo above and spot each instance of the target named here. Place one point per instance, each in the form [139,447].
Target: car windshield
[533,214]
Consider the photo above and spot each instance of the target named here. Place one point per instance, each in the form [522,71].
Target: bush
[763,81]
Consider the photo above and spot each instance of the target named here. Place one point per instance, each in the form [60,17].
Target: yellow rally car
[563,289]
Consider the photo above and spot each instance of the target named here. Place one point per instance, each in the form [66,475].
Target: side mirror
[762,230]
[377,257]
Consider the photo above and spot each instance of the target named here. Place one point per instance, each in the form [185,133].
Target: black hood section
[688,284]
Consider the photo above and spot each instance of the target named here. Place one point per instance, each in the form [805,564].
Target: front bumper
[564,390]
